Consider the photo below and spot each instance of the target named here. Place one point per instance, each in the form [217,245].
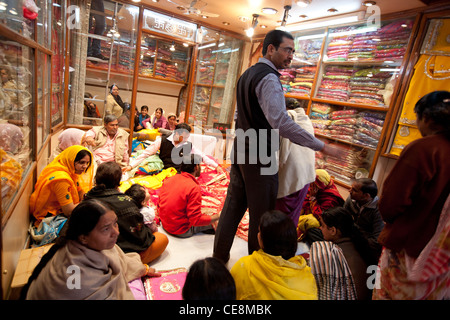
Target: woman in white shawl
[296,166]
[86,263]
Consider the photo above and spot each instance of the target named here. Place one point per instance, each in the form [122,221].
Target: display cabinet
[25,95]
[217,65]
[429,71]
[355,70]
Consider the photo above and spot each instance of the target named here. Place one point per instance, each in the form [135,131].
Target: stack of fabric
[287,76]
[338,48]
[366,84]
[160,70]
[172,72]
[320,118]
[363,47]
[343,124]
[393,39]
[304,77]
[125,61]
[370,125]
[335,83]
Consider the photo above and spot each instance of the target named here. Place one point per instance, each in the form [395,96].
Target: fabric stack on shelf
[366,84]
[363,46]
[125,62]
[320,118]
[287,76]
[302,83]
[343,124]
[172,72]
[309,50]
[344,167]
[393,39]
[221,74]
[338,48]
[370,125]
[335,83]
[160,69]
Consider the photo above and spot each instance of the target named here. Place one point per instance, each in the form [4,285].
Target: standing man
[260,109]
[109,142]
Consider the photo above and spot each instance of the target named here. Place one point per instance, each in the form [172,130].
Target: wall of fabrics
[348,75]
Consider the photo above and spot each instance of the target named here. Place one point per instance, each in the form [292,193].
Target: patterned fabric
[167,287]
[331,271]
[427,277]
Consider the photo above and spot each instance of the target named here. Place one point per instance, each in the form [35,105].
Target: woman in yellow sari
[274,272]
[57,190]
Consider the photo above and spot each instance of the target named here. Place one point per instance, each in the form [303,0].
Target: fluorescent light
[249,32]
[326,23]
[207,46]
[312,36]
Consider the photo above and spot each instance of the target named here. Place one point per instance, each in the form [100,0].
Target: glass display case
[355,131]
[217,65]
[431,72]
[16,113]
[106,56]
[361,64]
[353,88]
[298,80]
[57,70]
[12,16]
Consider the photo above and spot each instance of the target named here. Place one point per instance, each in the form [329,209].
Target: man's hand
[333,151]
[214,217]
[90,141]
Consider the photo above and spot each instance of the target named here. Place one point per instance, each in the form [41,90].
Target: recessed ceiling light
[243,19]
[303,16]
[155,0]
[369,3]
[136,1]
[303,3]
[263,26]
[269,10]
[226,23]
[204,17]
[332,10]
[181,8]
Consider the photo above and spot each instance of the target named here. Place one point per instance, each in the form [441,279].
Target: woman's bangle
[147,269]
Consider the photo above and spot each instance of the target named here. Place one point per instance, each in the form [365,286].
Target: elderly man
[363,204]
[109,142]
[172,149]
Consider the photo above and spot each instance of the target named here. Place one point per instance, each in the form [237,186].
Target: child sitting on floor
[141,196]
[274,272]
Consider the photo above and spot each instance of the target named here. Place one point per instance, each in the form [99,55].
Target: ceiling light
[204,17]
[243,19]
[269,10]
[155,0]
[181,8]
[226,23]
[263,26]
[303,3]
[303,16]
[172,47]
[185,44]
[250,31]
[369,3]
[136,0]
[332,10]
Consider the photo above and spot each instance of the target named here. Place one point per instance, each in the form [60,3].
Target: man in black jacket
[363,204]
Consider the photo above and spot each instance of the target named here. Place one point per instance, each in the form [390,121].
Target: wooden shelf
[352,105]
[345,142]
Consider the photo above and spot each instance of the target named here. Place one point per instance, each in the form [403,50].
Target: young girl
[141,196]
[274,272]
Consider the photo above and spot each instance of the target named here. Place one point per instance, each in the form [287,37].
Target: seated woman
[157,120]
[322,195]
[134,236]
[58,191]
[85,263]
[71,137]
[339,263]
[274,272]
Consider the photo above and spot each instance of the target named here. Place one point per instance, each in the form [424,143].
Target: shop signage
[169,25]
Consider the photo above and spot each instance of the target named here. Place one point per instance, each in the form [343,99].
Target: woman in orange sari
[58,191]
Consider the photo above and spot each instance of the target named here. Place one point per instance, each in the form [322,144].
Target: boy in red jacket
[180,201]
